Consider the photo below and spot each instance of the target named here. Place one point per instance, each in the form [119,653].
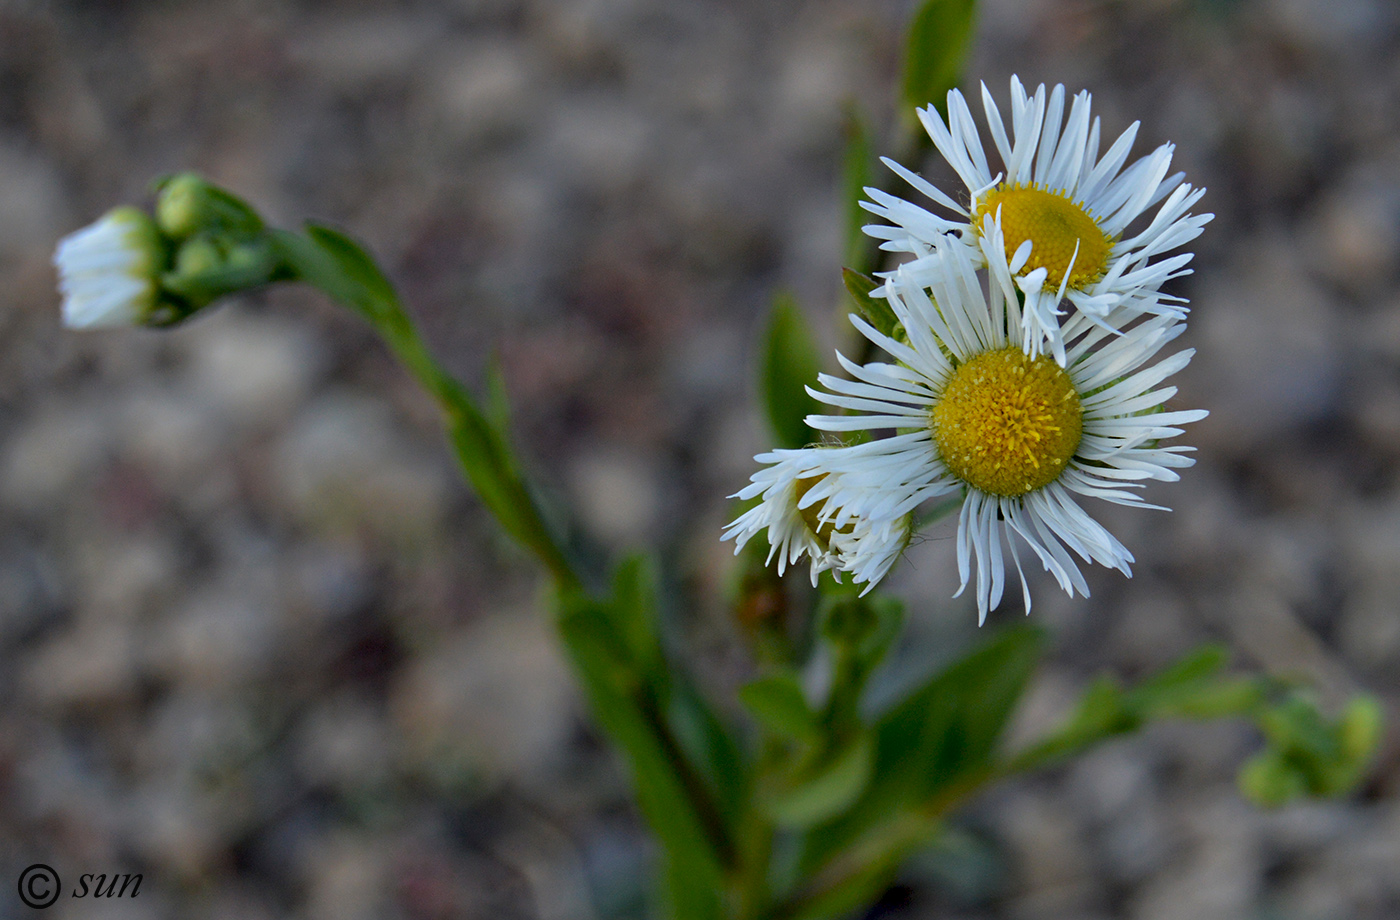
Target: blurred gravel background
[258,642]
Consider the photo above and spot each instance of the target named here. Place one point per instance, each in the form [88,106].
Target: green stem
[465,419]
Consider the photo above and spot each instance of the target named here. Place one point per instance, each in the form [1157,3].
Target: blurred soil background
[257,641]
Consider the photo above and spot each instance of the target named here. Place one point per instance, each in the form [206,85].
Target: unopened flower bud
[188,205]
[182,208]
[108,271]
[1269,779]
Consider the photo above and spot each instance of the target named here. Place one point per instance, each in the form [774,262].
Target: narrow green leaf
[828,792]
[629,713]
[876,310]
[709,746]
[940,735]
[790,365]
[634,612]
[307,261]
[497,398]
[940,37]
[852,896]
[780,706]
[353,261]
[856,170]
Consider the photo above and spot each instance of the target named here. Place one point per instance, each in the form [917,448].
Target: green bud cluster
[218,246]
[1308,755]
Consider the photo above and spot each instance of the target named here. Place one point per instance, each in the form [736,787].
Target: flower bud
[1360,730]
[1269,780]
[187,205]
[108,272]
[183,207]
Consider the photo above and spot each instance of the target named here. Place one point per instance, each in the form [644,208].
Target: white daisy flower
[1055,218]
[1020,436]
[108,272]
[799,520]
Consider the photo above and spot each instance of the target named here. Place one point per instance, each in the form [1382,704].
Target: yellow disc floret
[1007,423]
[1055,225]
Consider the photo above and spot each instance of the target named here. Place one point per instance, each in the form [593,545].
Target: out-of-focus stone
[94,664]
[597,146]
[344,464]
[170,432]
[497,695]
[119,578]
[1056,879]
[1268,350]
[1219,878]
[482,87]
[174,827]
[219,637]
[31,200]
[51,452]
[345,744]
[253,368]
[1355,234]
[348,878]
[618,494]
[354,52]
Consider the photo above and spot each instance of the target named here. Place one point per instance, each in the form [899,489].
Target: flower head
[1054,219]
[1021,437]
[801,521]
[108,272]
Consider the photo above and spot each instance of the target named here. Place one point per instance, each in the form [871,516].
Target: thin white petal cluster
[866,549]
[107,271]
[1059,154]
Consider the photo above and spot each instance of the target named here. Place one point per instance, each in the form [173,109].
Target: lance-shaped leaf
[855,176]
[940,736]
[790,365]
[940,37]
[876,310]
[780,706]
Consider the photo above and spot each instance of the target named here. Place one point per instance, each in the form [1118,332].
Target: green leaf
[634,613]
[780,706]
[308,261]
[629,712]
[789,365]
[940,37]
[876,310]
[828,791]
[937,738]
[856,175]
[864,626]
[354,262]
[710,748]
[1271,779]
[497,398]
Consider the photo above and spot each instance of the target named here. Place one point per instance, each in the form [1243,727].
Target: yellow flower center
[811,515]
[1007,424]
[1054,225]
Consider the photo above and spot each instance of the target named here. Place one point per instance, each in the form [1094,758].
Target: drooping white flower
[108,271]
[794,486]
[1055,218]
[1020,436]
